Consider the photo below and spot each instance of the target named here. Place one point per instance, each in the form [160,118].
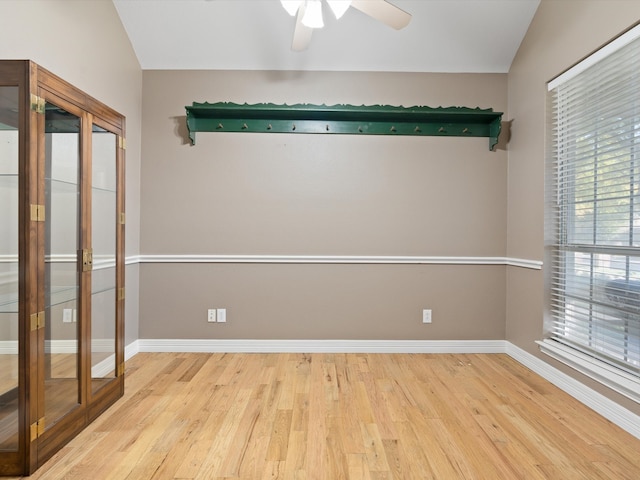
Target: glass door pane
[61,276]
[8,268]
[103,238]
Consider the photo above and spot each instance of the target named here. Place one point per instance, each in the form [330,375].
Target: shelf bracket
[343,119]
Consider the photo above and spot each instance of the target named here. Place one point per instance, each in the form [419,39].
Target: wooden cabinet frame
[38,439]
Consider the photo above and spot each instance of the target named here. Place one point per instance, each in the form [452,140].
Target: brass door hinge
[121,293]
[37,103]
[37,429]
[87,260]
[122,218]
[122,143]
[37,320]
[120,370]
[37,213]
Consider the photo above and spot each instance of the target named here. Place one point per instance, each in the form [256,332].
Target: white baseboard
[615,378]
[131,350]
[609,409]
[103,368]
[8,347]
[107,365]
[321,346]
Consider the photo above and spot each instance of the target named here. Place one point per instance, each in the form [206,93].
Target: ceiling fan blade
[384,12]
[301,34]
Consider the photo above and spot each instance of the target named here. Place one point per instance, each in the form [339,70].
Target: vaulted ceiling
[480,36]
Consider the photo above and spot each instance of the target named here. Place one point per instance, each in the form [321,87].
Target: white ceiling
[444,36]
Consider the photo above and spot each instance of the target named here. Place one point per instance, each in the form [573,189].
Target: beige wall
[288,194]
[562,33]
[84,43]
[306,195]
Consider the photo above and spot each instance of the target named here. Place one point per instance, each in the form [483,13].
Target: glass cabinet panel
[9,268]
[62,192]
[103,238]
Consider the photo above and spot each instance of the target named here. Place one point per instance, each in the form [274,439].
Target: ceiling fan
[309,15]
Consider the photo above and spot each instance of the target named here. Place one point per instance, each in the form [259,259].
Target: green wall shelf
[344,119]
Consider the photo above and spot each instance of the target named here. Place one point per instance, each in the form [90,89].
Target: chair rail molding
[339,259]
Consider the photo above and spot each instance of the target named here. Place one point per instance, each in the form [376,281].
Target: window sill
[616,379]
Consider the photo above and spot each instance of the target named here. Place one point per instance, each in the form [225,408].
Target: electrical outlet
[211,315]
[426,316]
[67,315]
[222,315]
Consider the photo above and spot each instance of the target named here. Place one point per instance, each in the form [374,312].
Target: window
[593,216]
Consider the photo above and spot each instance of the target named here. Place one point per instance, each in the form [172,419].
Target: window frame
[622,376]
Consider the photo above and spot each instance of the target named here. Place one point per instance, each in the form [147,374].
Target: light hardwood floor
[343,416]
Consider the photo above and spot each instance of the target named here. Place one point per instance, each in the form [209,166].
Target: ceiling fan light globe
[313,14]
[291,6]
[339,7]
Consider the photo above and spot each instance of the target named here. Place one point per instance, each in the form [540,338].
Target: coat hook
[294,126]
[393,128]
[327,128]
[441,130]
[360,129]
[244,126]
[417,129]
[220,126]
[269,127]
[466,130]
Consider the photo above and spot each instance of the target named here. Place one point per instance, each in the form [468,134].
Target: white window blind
[593,210]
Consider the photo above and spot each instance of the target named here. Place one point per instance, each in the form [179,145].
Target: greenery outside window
[593,216]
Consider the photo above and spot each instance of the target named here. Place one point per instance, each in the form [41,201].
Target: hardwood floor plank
[616,470]
[296,454]
[193,369]
[211,465]
[343,416]
[374,448]
[300,413]
[348,423]
[336,463]
[414,448]
[357,467]
[242,441]
[316,430]
[279,438]
[198,447]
